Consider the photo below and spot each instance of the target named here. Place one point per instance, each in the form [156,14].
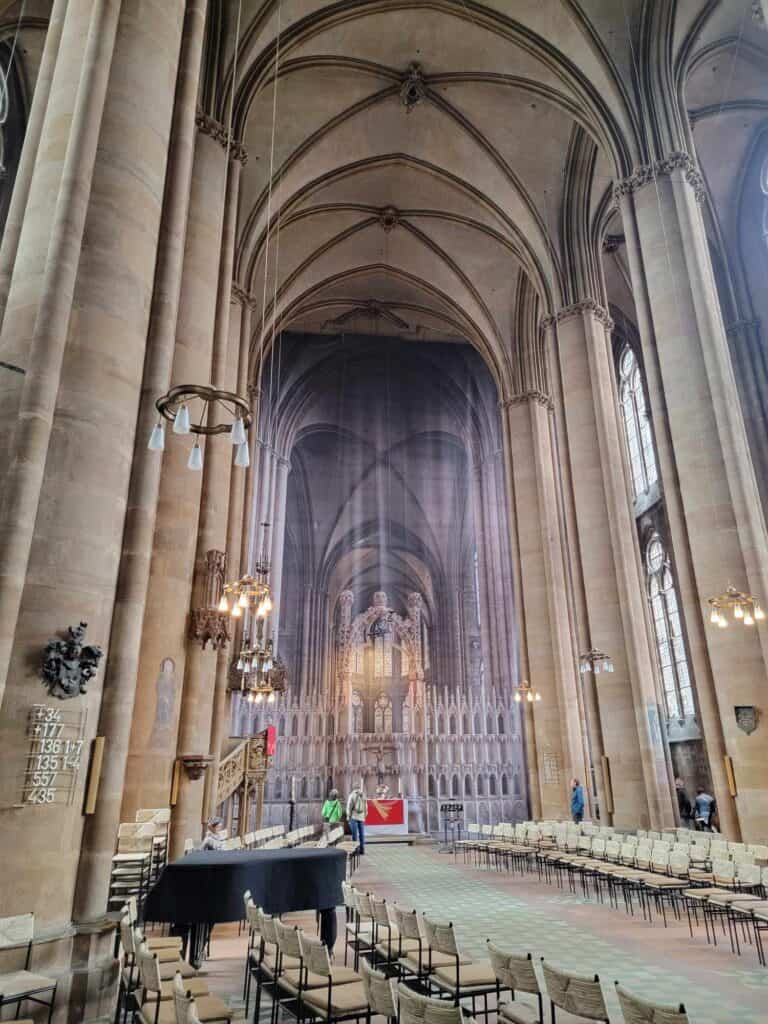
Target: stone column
[22,184]
[556,718]
[239,326]
[278,544]
[128,614]
[162,660]
[716,519]
[77,528]
[200,673]
[610,562]
[37,319]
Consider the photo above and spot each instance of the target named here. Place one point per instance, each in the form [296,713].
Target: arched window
[465,725]
[501,725]
[278,792]
[382,714]
[480,786]
[452,725]
[467,785]
[442,785]
[492,785]
[489,724]
[431,785]
[637,426]
[670,644]
[455,786]
[478,726]
[504,786]
[295,726]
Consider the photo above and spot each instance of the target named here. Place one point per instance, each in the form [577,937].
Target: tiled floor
[521,913]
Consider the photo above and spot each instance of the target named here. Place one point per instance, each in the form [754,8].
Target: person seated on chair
[357,808]
[215,835]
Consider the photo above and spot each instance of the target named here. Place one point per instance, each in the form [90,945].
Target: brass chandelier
[524,691]
[595,661]
[745,607]
[219,412]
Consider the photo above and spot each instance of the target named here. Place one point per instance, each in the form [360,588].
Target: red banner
[385,812]
[271,740]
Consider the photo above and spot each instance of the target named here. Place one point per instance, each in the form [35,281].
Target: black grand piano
[206,888]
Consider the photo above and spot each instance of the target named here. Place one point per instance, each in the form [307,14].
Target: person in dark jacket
[577,800]
[683,804]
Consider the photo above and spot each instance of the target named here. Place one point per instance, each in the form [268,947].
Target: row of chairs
[157,985]
[418,952]
[731,891]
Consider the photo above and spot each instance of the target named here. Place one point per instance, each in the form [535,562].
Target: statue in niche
[165,697]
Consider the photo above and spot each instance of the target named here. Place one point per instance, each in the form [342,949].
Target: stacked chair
[22,985]
[140,855]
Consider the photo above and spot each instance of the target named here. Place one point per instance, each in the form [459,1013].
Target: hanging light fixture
[745,608]
[220,412]
[595,661]
[251,594]
[525,692]
[261,672]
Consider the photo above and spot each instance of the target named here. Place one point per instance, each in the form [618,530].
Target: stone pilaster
[613,584]
[556,719]
[127,618]
[716,519]
[164,637]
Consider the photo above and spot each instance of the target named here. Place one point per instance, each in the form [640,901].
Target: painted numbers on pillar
[56,741]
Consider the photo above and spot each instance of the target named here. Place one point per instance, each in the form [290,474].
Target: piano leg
[328,928]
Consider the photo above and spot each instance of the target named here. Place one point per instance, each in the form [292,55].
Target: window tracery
[670,644]
[637,425]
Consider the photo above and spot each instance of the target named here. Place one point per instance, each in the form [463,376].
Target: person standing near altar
[357,808]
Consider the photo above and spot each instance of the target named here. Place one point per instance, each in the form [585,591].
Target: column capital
[646,173]
[239,294]
[584,306]
[523,397]
[208,125]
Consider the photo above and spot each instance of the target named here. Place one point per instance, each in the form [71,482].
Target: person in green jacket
[332,809]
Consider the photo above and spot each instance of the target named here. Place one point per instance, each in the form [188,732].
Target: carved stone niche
[195,765]
[207,625]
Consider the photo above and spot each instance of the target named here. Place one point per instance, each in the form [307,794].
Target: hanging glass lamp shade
[157,438]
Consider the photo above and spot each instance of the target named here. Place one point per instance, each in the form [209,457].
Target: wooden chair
[17,987]
[414,1008]
[332,1002]
[381,992]
[516,973]
[157,1001]
[459,978]
[578,994]
[638,1011]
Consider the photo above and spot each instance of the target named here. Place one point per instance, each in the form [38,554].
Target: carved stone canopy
[209,626]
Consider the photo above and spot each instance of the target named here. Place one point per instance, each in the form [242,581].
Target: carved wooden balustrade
[244,768]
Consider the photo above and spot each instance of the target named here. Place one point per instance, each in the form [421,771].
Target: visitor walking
[332,810]
[683,804]
[577,801]
[703,810]
[357,808]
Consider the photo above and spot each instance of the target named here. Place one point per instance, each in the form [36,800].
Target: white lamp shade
[181,423]
[157,438]
[195,460]
[238,432]
[242,455]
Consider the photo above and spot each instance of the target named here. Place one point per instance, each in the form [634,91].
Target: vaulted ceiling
[410,161]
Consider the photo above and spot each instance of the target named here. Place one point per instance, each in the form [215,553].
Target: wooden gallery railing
[243,772]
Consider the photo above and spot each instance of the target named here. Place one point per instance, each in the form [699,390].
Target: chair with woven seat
[389,944]
[577,994]
[516,973]
[639,1011]
[420,960]
[460,979]
[20,986]
[381,992]
[157,998]
[293,982]
[331,1002]
[415,1008]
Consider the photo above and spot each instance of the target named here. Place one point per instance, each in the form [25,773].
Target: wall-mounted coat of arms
[69,664]
[746,717]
